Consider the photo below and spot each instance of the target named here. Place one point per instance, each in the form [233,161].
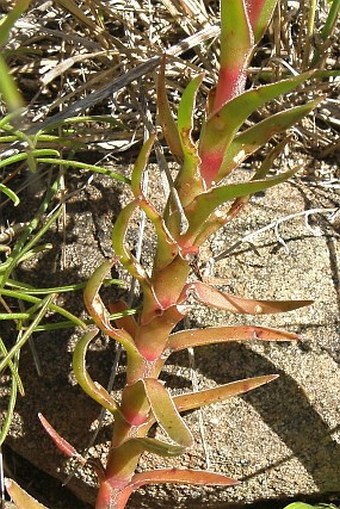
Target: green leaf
[186,113]
[152,337]
[68,163]
[228,302]
[9,92]
[8,21]
[207,202]
[161,448]
[193,400]
[167,248]
[166,119]
[166,413]
[20,497]
[250,140]
[120,246]
[22,156]
[200,337]
[222,126]
[94,390]
[140,164]
[42,308]
[303,505]
[189,182]
[101,316]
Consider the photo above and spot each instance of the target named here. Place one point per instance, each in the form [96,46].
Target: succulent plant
[191,215]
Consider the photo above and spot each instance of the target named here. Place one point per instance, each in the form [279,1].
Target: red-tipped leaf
[62,445]
[228,302]
[200,337]
[193,400]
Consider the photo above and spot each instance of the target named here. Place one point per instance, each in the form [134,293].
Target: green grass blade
[45,303]
[53,307]
[84,166]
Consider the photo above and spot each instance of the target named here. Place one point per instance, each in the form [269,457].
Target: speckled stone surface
[280,440]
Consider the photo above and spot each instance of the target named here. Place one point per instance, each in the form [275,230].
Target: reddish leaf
[173,475]
[228,302]
[200,337]
[176,475]
[63,445]
[193,400]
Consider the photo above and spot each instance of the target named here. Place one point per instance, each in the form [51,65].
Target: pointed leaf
[167,248]
[236,46]
[250,140]
[260,13]
[63,445]
[166,413]
[207,202]
[140,164]
[228,302]
[175,475]
[94,390]
[166,119]
[161,448]
[186,112]
[20,497]
[120,246]
[222,126]
[189,182]
[200,337]
[193,400]
[101,316]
